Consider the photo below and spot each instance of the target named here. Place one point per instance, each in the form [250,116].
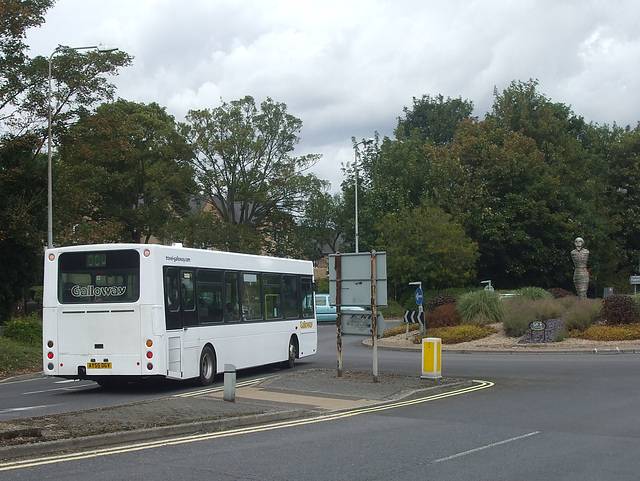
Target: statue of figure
[580,256]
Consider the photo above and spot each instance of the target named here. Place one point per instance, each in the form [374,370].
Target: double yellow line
[211,390]
[95,453]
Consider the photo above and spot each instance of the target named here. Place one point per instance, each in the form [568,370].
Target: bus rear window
[107,276]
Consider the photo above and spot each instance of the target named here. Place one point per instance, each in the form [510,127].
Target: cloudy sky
[348,67]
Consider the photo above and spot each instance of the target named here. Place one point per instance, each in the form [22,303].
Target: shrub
[25,330]
[521,311]
[620,309]
[457,334]
[627,332]
[394,331]
[322,285]
[559,292]
[566,302]
[581,315]
[441,300]
[636,298]
[533,293]
[442,316]
[518,315]
[393,310]
[480,307]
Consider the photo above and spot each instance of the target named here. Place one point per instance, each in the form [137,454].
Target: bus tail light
[149,343]
[49,344]
[149,354]
[149,367]
[50,355]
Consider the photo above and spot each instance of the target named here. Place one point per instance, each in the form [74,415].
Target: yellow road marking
[94,453]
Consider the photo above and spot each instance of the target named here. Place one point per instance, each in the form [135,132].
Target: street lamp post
[355,164]
[49,177]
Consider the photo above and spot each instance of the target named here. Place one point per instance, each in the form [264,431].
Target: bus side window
[290,296]
[209,296]
[188,297]
[306,285]
[231,297]
[271,293]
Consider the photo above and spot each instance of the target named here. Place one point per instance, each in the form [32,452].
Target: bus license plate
[98,365]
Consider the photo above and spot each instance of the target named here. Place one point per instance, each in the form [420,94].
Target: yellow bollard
[431,358]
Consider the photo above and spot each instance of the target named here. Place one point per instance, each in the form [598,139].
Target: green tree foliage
[589,164]
[396,174]
[244,164]
[620,213]
[424,243]
[16,73]
[524,182]
[434,120]
[22,181]
[503,193]
[322,223]
[78,82]
[124,174]
[23,201]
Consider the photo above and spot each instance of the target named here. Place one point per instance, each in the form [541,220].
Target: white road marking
[27,408]
[482,448]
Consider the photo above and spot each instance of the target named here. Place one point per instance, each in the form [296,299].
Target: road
[546,417]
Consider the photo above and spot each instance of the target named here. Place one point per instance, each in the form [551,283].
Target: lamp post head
[106,49]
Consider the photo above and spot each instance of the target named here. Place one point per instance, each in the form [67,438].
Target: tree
[243,163]
[395,174]
[23,133]
[497,184]
[22,184]
[433,119]
[424,243]
[585,160]
[124,175]
[16,72]
[618,247]
[322,224]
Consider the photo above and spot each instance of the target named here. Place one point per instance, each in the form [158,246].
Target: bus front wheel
[207,366]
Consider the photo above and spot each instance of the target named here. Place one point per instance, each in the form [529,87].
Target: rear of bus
[92,314]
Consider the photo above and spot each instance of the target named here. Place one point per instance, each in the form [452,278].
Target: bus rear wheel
[207,366]
[293,353]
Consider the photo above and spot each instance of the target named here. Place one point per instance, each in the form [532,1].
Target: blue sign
[419,296]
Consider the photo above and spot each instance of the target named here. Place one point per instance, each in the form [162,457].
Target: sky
[347,68]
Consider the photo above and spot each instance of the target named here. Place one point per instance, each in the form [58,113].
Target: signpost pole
[419,297]
[374,322]
[338,314]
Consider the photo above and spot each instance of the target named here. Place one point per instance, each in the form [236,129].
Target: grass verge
[18,358]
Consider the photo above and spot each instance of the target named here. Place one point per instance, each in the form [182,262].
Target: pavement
[286,395]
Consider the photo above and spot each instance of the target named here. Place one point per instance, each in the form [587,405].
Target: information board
[355,279]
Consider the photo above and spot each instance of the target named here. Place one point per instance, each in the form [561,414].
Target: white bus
[120,312]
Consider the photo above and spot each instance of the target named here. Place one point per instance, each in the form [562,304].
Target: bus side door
[180,315]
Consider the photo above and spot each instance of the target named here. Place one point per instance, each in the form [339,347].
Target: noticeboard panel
[356,279]
[361,323]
